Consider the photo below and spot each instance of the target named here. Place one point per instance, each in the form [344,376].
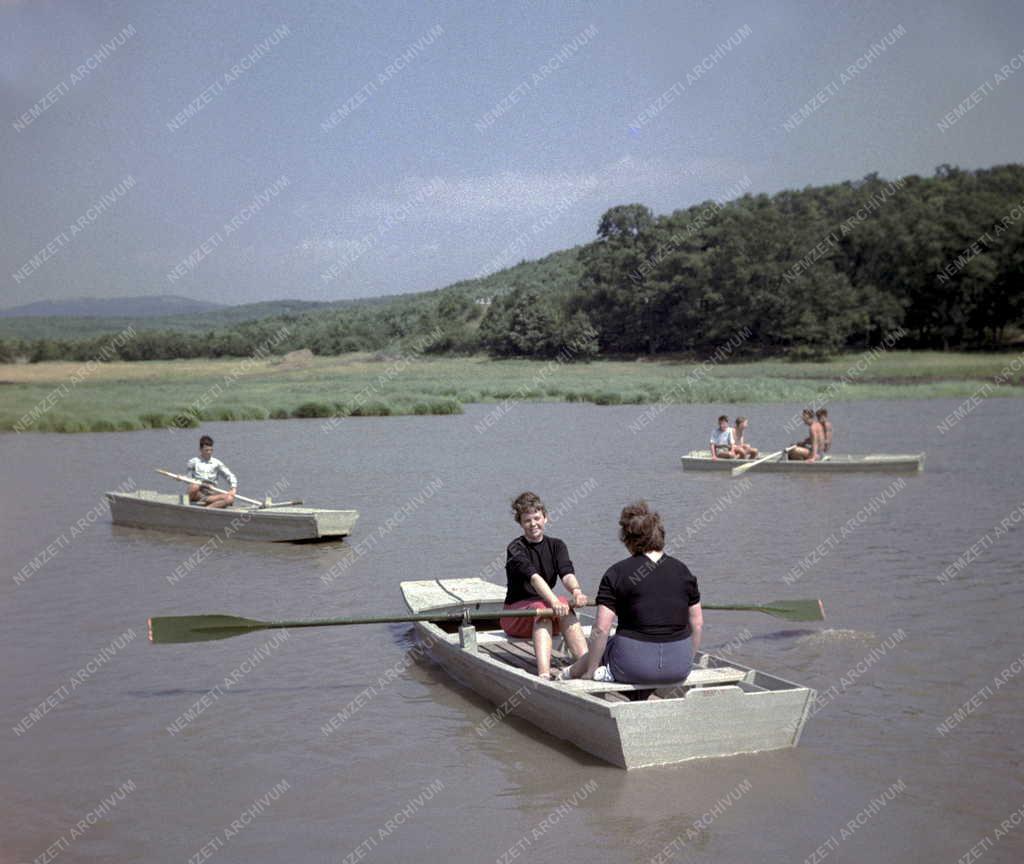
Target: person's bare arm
[547,595]
[598,639]
[696,625]
[572,584]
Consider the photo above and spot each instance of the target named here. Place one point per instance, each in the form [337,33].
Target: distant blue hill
[112,307]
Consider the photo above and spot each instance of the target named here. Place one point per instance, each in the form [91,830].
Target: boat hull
[146,509]
[700,460]
[747,713]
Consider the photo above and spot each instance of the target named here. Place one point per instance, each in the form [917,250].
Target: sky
[247,151]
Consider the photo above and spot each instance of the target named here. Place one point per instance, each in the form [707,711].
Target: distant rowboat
[700,460]
[146,509]
[720,710]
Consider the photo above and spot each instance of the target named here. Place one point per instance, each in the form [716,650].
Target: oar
[261,504]
[204,628]
[739,469]
[788,610]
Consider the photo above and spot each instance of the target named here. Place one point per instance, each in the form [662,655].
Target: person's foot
[546,676]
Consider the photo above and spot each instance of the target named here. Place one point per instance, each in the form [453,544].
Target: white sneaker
[604,674]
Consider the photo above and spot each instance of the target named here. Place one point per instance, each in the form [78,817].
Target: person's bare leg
[574,638]
[195,492]
[542,631]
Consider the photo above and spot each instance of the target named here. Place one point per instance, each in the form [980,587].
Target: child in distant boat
[205,469]
[723,441]
[744,450]
[533,563]
[826,428]
[811,449]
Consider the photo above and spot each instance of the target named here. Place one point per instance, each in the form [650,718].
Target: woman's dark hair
[640,529]
[525,503]
[206,439]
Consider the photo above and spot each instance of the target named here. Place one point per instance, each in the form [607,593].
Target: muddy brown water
[218,751]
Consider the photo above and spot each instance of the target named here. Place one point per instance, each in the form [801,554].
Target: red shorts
[522,628]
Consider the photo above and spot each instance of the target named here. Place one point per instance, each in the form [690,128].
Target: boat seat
[697,678]
[519,653]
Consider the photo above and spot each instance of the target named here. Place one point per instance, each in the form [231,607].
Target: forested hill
[804,273]
[107,307]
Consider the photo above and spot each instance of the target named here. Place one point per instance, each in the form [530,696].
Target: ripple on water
[833,635]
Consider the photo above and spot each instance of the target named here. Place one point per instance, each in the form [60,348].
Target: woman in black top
[533,563]
[657,602]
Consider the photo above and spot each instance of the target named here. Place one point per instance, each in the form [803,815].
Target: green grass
[156,394]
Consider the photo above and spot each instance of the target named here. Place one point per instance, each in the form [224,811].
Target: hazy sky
[328,150]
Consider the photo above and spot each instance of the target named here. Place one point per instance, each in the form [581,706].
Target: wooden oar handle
[540,613]
[206,485]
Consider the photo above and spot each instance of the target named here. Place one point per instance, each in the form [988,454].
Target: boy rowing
[206,468]
[533,564]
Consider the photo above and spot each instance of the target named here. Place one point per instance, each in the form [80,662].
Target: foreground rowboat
[700,460]
[146,509]
[721,710]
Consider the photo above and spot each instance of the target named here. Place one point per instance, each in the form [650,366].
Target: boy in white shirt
[206,468]
[723,441]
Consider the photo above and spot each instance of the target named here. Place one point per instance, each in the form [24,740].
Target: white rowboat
[146,509]
[720,710]
[848,463]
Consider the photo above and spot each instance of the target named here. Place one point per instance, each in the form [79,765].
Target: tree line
[807,272]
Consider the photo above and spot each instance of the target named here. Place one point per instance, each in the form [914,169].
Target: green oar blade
[205,628]
[200,628]
[788,610]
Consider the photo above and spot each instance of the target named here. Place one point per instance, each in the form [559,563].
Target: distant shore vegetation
[182,394]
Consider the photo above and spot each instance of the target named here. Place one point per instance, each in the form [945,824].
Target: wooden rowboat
[146,509]
[847,463]
[722,709]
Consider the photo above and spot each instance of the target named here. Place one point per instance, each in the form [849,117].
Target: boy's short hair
[807,412]
[206,439]
[723,417]
[525,503]
[821,413]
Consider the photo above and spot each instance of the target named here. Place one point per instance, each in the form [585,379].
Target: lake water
[112,769]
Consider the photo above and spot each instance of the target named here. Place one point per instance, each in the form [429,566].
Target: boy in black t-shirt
[533,563]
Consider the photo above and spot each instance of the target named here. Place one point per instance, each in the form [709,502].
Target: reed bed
[69,397]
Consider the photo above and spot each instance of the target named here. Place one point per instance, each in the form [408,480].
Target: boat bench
[521,657]
[696,678]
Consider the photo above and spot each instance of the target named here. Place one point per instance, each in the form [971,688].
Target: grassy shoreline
[78,397]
